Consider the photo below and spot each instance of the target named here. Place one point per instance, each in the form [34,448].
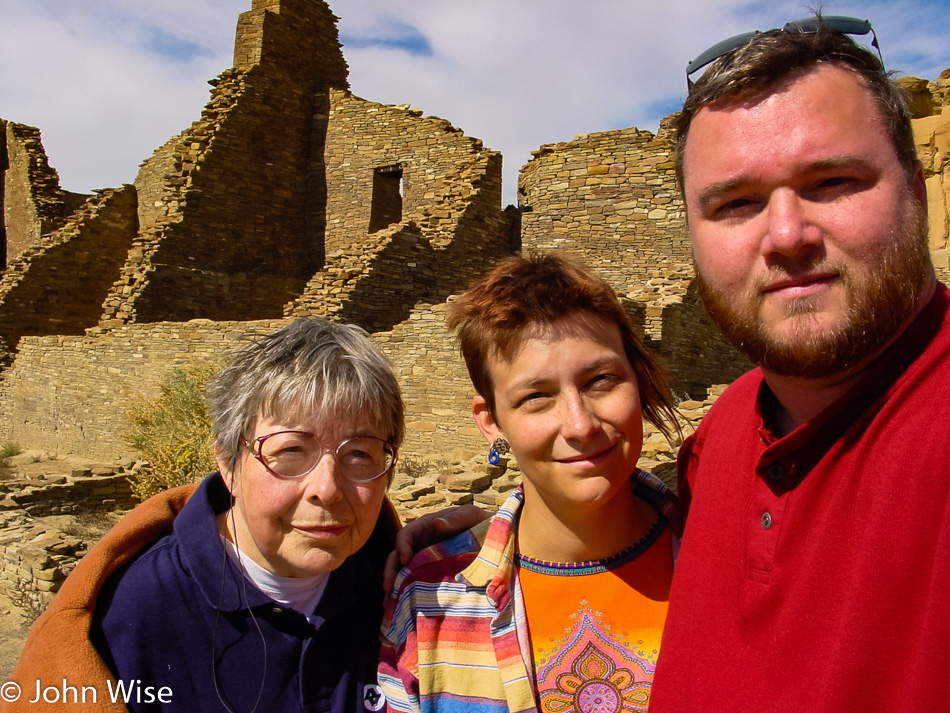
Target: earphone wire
[217,611]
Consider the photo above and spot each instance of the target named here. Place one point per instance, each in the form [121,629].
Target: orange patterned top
[595,637]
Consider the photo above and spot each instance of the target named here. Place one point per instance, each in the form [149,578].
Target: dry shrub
[7,451]
[172,432]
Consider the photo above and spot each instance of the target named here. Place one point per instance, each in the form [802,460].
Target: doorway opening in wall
[387,197]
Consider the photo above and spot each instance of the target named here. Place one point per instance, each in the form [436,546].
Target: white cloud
[109,81]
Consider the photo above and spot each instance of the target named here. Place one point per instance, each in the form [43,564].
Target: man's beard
[879,302]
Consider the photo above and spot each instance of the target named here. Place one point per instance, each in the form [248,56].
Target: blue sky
[108,81]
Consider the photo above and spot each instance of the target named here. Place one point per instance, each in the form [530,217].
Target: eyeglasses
[838,23]
[293,454]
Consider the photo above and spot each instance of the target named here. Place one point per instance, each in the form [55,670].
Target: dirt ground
[13,622]
[13,630]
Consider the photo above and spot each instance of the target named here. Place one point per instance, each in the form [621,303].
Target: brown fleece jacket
[58,646]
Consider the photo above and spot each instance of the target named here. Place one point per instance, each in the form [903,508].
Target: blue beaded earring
[499,448]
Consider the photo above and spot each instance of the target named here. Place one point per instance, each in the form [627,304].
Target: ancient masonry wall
[35,557]
[611,199]
[443,191]
[227,226]
[56,286]
[33,203]
[932,135]
[73,393]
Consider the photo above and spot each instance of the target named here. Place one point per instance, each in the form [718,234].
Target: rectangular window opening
[388,190]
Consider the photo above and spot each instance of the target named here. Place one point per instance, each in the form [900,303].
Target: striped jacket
[454,634]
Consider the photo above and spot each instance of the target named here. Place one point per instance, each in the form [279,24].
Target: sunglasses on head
[838,23]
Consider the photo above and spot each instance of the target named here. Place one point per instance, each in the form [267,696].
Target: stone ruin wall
[589,195]
[446,227]
[220,200]
[57,285]
[35,557]
[610,196]
[33,203]
[72,393]
[612,199]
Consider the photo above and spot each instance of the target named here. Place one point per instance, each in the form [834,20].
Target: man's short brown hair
[770,56]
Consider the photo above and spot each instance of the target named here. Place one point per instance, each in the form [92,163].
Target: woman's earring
[499,448]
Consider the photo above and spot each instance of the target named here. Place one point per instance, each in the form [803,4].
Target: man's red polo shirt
[814,573]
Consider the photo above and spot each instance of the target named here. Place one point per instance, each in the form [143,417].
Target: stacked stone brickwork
[450,228]
[33,202]
[932,135]
[434,379]
[353,210]
[35,561]
[57,285]
[611,199]
[676,327]
[59,495]
[35,557]
[73,393]
[449,180]
[228,227]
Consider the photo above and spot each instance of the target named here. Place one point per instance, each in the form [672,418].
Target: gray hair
[310,366]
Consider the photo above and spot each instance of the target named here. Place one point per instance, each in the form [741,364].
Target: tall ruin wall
[353,210]
[72,393]
[412,213]
[610,196]
[57,285]
[227,227]
[33,202]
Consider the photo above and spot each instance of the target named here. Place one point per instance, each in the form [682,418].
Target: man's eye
[736,205]
[835,184]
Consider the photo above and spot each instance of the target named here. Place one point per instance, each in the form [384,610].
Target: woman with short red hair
[558,602]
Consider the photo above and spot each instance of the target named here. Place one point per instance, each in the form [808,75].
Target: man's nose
[790,228]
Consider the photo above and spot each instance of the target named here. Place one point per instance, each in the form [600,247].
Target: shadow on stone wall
[58,286]
[694,351]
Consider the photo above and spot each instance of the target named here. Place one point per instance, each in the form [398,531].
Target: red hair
[492,315]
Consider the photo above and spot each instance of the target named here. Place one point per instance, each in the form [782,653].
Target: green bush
[172,432]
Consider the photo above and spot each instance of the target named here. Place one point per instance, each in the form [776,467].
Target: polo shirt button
[775,471]
[277,610]
[766,520]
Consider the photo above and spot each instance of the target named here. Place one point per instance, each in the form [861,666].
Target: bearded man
[814,573]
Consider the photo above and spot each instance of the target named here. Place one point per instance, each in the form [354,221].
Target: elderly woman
[558,603]
[266,594]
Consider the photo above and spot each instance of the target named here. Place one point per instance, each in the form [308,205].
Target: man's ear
[485,420]
[920,185]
